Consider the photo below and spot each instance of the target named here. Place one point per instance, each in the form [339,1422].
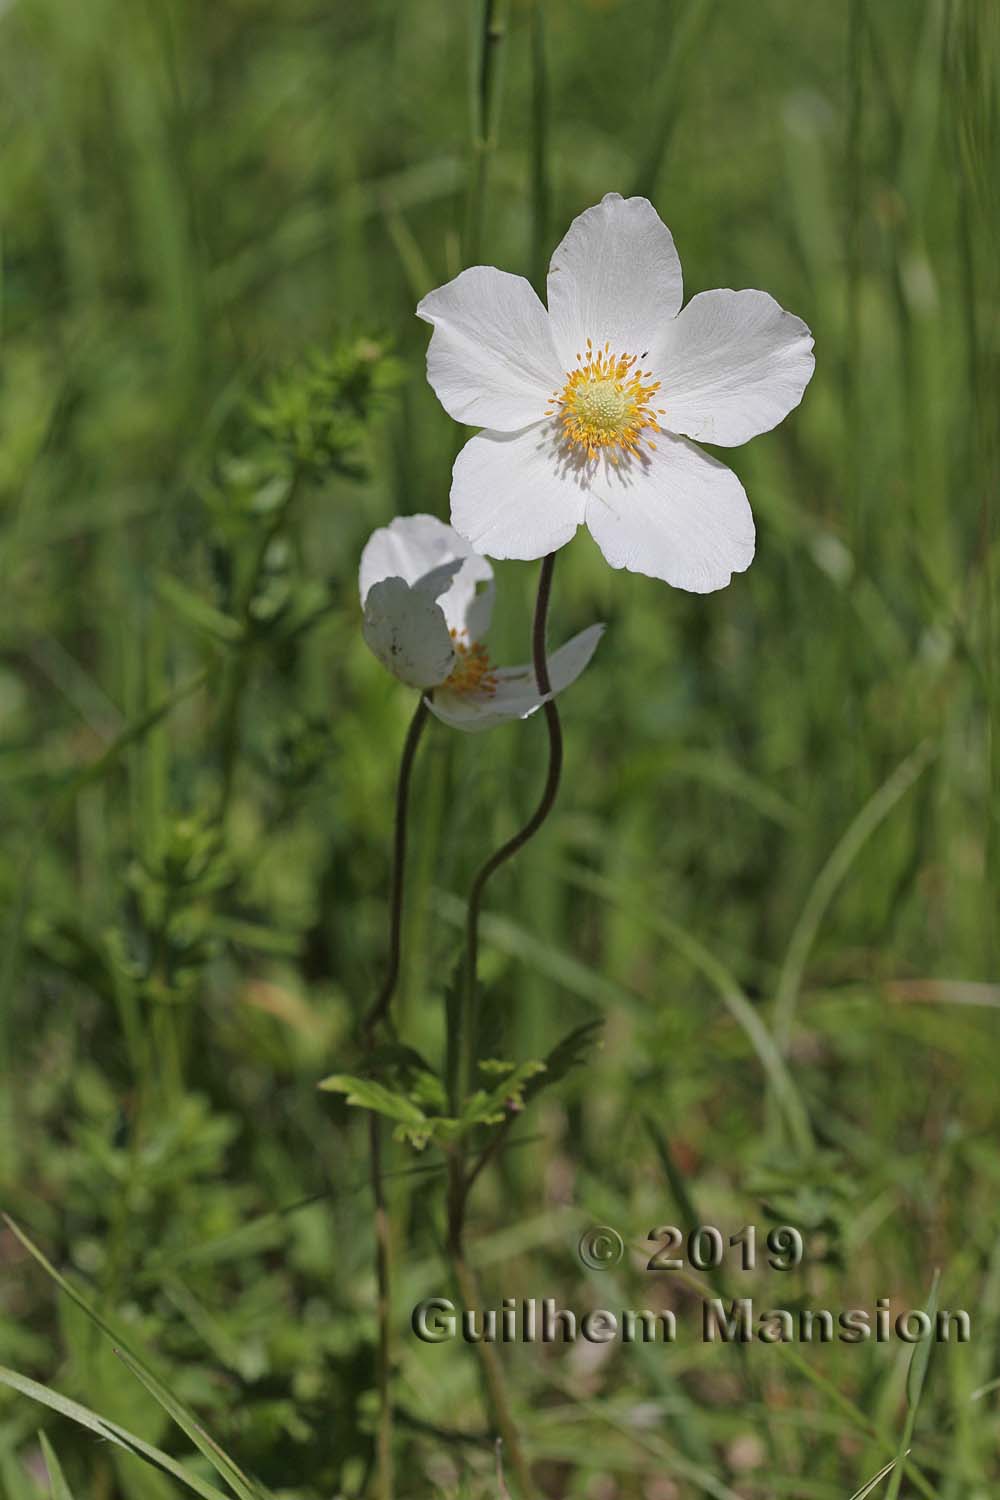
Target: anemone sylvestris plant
[589,410]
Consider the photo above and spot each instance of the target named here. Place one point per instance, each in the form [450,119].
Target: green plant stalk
[510,848]
[485,120]
[379,1011]
[495,1382]
[540,187]
[384,1480]
[459,1181]
[852,368]
[377,1015]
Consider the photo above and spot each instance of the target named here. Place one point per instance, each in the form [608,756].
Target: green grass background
[195,197]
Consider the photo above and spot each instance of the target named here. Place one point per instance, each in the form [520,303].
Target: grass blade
[866,1489]
[110,1431]
[915,1378]
[860,1419]
[57,1480]
[826,884]
[239,1483]
[225,1467]
[554,963]
[730,992]
[690,1218]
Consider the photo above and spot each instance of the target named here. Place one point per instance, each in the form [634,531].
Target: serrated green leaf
[492,1107]
[569,1053]
[404,1072]
[367,1093]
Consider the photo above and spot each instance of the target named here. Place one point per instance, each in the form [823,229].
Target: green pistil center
[600,404]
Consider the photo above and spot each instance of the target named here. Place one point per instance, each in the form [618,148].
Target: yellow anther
[472,672]
[605,404]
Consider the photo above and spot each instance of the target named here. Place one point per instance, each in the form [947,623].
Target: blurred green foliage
[216,222]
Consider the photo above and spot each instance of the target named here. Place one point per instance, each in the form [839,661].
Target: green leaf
[492,1107]
[227,1469]
[689,1217]
[60,1490]
[917,1372]
[566,1055]
[368,1094]
[197,612]
[120,1437]
[866,1489]
[240,1483]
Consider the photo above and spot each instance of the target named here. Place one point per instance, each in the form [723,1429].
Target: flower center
[472,672]
[605,404]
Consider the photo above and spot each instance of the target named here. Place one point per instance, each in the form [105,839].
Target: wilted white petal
[616,276]
[732,365]
[514,494]
[675,514]
[422,549]
[439,580]
[491,360]
[516,694]
[408,633]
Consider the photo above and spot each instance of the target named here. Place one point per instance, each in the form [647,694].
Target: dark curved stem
[459,1181]
[380,1008]
[550,791]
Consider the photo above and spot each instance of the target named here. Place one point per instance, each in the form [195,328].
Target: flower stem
[459,1181]
[545,805]
[494,1381]
[380,1009]
[378,1013]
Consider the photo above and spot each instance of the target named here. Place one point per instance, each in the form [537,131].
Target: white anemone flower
[427,598]
[589,407]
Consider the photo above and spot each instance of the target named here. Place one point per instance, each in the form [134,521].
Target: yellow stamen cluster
[605,404]
[472,672]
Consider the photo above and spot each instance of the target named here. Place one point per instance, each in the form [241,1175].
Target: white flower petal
[675,514]
[408,633]
[616,276]
[732,364]
[516,695]
[514,495]
[491,360]
[423,550]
